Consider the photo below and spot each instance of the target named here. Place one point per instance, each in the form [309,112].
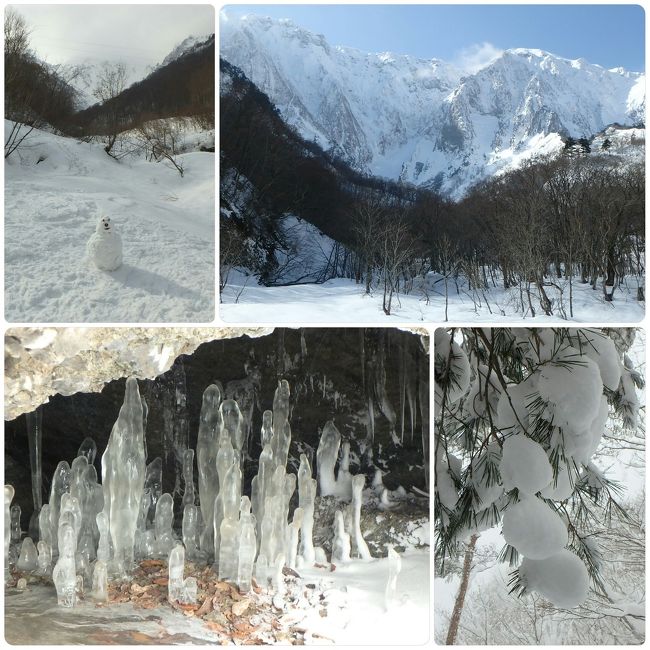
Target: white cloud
[471,59]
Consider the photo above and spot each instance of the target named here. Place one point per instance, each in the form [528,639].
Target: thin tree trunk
[462,591]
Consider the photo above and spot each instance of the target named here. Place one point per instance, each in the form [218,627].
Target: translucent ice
[344,478]
[180,590]
[28,560]
[341,541]
[64,574]
[123,475]
[60,485]
[233,423]
[188,477]
[163,525]
[306,496]
[247,552]
[293,538]
[267,428]
[88,448]
[16,530]
[45,533]
[103,549]
[153,488]
[44,558]
[34,423]
[99,591]
[190,530]
[9,495]
[326,457]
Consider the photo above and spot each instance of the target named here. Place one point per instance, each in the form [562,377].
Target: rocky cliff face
[425,121]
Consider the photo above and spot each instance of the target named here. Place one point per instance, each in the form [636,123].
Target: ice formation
[562,578]
[99,590]
[34,423]
[182,590]
[163,525]
[123,474]
[534,529]
[16,530]
[44,559]
[190,529]
[188,477]
[359,544]
[394,567]
[104,248]
[341,542]
[525,465]
[28,560]
[9,495]
[326,456]
[306,496]
[64,573]
[88,449]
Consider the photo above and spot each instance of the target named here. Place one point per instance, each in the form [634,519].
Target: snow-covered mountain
[190,44]
[426,121]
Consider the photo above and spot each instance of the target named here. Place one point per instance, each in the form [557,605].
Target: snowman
[104,248]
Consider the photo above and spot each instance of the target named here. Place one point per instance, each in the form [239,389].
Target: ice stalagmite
[207,447]
[293,536]
[163,525]
[359,544]
[99,591]
[326,456]
[123,474]
[341,541]
[16,530]
[88,449]
[180,590]
[44,560]
[45,533]
[344,478]
[103,548]
[9,495]
[281,438]
[64,574]
[267,428]
[278,578]
[229,527]
[306,496]
[394,567]
[188,477]
[259,486]
[190,530]
[233,423]
[34,423]
[60,485]
[28,560]
[153,488]
[247,546]
[71,512]
[227,457]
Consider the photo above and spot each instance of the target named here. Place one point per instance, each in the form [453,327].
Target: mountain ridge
[426,121]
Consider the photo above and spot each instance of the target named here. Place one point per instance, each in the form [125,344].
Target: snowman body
[104,248]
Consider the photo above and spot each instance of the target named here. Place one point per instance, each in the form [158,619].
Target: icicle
[402,387]
[306,496]
[60,485]
[267,428]
[303,344]
[35,439]
[181,419]
[190,530]
[233,422]
[9,495]
[44,526]
[394,567]
[207,446]
[163,525]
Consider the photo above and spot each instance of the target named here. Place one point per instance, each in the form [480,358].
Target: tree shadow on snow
[153,283]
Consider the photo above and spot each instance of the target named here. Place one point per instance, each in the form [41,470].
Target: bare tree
[111,82]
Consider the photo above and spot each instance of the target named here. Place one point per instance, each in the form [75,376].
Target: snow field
[56,188]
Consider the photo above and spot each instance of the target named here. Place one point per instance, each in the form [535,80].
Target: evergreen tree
[519,415]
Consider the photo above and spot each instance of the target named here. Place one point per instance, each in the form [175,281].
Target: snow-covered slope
[56,188]
[190,44]
[424,121]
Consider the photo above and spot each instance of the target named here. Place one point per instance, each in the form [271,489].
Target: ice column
[360,545]
[267,428]
[103,549]
[207,447]
[394,567]
[281,429]
[64,573]
[45,533]
[226,458]
[229,527]
[344,478]
[28,560]
[123,474]
[9,495]
[293,537]
[180,590]
[326,456]
[306,496]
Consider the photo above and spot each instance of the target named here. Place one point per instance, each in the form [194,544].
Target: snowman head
[104,225]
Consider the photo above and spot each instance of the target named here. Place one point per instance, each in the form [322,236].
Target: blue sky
[610,35]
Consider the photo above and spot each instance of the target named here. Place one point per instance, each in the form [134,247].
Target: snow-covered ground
[341,301]
[56,188]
